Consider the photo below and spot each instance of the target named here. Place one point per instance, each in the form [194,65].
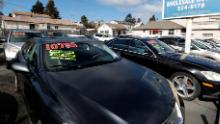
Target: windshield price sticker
[18,34]
[63,45]
[62,55]
[152,42]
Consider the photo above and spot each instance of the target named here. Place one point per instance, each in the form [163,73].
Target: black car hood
[117,93]
[195,60]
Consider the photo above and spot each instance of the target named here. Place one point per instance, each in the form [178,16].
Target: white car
[102,37]
[15,40]
[197,48]
[200,48]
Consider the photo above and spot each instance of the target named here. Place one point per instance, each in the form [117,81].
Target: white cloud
[139,8]
[120,3]
[146,10]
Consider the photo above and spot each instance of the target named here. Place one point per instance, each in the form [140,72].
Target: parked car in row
[210,45]
[197,48]
[193,76]
[102,37]
[73,81]
[15,40]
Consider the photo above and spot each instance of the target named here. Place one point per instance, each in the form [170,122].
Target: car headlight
[175,117]
[211,75]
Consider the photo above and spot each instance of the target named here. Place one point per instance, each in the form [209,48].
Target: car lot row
[52,71]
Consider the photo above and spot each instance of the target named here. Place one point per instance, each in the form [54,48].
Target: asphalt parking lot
[197,112]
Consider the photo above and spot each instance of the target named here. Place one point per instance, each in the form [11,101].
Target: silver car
[197,48]
[15,40]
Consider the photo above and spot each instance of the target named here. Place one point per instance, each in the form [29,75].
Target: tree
[51,10]
[10,15]
[152,18]
[130,19]
[84,21]
[138,20]
[38,8]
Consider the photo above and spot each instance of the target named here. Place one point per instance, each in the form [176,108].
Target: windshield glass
[200,45]
[160,47]
[23,36]
[71,55]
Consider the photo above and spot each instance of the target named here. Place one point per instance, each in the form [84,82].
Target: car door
[120,46]
[140,53]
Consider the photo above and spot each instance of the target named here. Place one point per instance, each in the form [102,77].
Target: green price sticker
[62,55]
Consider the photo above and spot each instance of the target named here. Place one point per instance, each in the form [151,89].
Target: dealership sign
[190,8]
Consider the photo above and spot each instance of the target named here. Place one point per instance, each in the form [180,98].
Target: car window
[26,47]
[138,47]
[200,45]
[160,46]
[168,41]
[23,36]
[71,55]
[109,43]
[121,44]
[30,52]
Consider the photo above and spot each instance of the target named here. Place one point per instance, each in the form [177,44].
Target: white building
[203,27]
[28,20]
[159,28]
[112,29]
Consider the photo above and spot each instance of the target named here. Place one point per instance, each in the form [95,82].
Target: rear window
[23,36]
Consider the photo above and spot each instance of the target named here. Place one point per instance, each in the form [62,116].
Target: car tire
[187,86]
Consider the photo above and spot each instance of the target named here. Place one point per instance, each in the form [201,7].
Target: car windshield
[200,45]
[160,47]
[75,55]
[23,36]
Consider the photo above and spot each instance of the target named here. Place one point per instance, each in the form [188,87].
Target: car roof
[171,37]
[44,40]
[24,30]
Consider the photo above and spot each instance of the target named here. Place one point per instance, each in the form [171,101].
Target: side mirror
[2,40]
[19,67]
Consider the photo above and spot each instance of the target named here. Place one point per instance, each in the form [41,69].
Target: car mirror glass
[19,67]
[2,40]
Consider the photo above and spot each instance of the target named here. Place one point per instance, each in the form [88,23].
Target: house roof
[31,14]
[163,25]
[116,26]
[34,20]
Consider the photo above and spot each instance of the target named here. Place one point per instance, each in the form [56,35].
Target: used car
[197,48]
[102,37]
[193,76]
[15,40]
[73,81]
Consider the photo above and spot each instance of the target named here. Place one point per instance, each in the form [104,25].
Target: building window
[106,32]
[171,31]
[32,26]
[48,27]
[56,27]
[102,32]
[155,31]
[208,35]
[183,30]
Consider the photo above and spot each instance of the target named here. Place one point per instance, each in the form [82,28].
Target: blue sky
[94,9]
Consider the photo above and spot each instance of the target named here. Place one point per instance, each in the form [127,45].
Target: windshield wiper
[65,66]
